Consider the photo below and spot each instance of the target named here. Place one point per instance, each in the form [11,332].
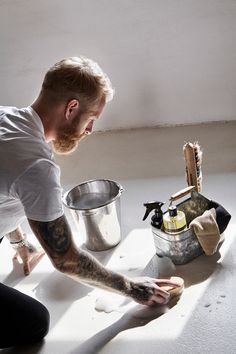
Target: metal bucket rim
[120,190]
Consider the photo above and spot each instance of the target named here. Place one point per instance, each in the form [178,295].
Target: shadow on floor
[33,349]
[136,317]
[194,272]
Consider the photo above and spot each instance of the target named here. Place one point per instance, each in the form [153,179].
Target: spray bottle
[157,218]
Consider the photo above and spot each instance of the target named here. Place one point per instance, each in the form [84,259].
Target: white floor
[202,321]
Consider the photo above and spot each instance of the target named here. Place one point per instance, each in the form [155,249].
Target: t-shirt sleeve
[40,192]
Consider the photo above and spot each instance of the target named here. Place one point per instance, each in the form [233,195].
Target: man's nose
[89,128]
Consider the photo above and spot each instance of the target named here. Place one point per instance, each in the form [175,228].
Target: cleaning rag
[207,231]
[222,215]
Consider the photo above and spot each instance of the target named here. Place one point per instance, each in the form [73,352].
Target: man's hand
[29,255]
[150,291]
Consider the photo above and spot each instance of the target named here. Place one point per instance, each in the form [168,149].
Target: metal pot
[184,246]
[97,203]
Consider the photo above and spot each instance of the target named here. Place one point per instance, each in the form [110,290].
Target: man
[73,95]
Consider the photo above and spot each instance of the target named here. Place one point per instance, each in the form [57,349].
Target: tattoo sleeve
[56,239]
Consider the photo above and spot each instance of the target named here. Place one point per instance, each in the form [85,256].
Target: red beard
[67,144]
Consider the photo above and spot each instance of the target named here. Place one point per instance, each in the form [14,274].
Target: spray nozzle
[153,206]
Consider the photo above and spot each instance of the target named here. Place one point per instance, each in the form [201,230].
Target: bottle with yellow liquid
[174,220]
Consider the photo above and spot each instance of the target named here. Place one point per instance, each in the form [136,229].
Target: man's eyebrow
[95,113]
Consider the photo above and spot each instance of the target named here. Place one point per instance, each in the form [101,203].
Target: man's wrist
[18,244]
[16,235]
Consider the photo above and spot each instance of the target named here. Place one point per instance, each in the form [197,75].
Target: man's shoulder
[8,110]
[16,111]
[22,141]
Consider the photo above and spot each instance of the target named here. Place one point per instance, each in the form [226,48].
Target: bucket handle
[121,189]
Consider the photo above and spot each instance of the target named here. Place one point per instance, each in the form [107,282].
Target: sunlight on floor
[79,320]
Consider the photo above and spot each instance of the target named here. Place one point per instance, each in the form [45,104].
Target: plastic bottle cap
[173,210]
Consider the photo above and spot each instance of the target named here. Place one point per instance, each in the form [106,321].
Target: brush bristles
[193,159]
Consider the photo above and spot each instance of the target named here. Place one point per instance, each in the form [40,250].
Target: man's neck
[49,116]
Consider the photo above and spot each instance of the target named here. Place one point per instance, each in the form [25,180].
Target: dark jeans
[23,319]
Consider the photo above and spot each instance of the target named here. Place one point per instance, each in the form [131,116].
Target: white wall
[170,61]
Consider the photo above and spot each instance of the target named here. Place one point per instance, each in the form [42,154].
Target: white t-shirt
[29,177]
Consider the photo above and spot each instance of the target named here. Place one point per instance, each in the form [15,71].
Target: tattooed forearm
[53,235]
[56,238]
[93,273]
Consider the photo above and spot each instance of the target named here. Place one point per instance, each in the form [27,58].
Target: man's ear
[72,108]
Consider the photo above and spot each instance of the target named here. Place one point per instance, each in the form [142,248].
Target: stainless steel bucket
[97,203]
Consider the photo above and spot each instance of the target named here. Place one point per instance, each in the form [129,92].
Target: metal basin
[97,204]
[183,247]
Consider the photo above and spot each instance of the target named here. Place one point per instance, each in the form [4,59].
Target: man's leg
[24,320]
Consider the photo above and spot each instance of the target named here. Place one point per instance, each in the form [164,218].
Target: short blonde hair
[78,77]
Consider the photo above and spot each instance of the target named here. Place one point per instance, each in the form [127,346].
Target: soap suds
[109,302]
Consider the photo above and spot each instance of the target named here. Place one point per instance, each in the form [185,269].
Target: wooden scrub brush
[175,291]
[193,159]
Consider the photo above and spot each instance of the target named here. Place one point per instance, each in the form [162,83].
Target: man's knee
[23,316]
[40,327]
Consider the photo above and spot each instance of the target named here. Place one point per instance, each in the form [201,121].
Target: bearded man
[73,95]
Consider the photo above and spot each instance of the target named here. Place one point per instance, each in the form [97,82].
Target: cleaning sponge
[173,290]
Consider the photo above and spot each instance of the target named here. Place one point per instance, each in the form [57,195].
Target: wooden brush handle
[181,193]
